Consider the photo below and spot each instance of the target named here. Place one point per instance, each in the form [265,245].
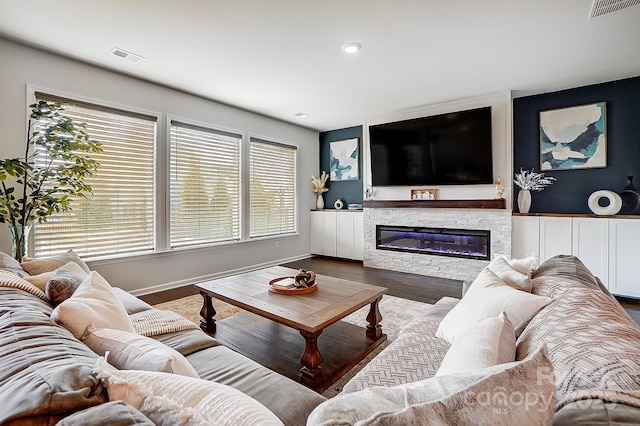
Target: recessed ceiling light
[126,55]
[351,47]
[301,115]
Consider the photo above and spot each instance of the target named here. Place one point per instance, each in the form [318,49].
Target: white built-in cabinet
[337,233]
[607,246]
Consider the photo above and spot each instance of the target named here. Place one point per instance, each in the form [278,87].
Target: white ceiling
[280,57]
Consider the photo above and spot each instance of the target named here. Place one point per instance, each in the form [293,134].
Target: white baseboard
[222,274]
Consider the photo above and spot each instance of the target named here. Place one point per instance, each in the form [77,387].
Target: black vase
[630,198]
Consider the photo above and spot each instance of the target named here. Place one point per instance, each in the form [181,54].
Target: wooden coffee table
[310,314]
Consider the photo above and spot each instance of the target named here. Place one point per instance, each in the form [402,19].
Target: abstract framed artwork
[344,160]
[573,137]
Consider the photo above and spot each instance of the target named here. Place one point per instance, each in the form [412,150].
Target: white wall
[502,135]
[22,66]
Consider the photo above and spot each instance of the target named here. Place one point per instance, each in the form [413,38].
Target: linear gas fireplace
[464,243]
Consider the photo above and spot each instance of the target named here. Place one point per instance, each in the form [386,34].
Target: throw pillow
[9,279]
[10,264]
[509,275]
[526,265]
[63,284]
[39,265]
[516,393]
[567,266]
[131,351]
[42,279]
[154,322]
[490,342]
[170,399]
[93,303]
[486,298]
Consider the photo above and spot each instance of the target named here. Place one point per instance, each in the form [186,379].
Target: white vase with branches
[528,181]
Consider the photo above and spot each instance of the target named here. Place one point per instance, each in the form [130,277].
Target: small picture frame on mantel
[424,194]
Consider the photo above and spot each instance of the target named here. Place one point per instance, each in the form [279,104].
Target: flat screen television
[446,149]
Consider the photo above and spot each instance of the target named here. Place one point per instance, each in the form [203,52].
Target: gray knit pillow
[62,286]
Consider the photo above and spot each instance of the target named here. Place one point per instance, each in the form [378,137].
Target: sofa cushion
[42,279]
[170,399]
[490,342]
[289,400]
[131,351]
[46,373]
[114,413]
[516,393]
[62,285]
[9,279]
[188,341]
[567,266]
[593,343]
[8,263]
[596,411]
[486,298]
[509,275]
[415,355]
[93,303]
[38,265]
[132,304]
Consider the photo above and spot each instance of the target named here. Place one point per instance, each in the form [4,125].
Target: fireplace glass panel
[463,243]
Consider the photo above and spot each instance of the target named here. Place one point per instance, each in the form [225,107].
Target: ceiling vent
[602,7]
[126,55]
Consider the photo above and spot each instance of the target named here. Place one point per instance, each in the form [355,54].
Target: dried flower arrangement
[318,183]
[532,181]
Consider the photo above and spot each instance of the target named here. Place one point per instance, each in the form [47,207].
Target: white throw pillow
[131,351]
[486,298]
[93,303]
[509,275]
[42,279]
[490,342]
[169,399]
[525,265]
[38,265]
[516,393]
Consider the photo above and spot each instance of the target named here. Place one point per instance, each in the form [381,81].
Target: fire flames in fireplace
[464,243]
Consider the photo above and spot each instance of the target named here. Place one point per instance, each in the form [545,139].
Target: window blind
[204,185]
[117,218]
[272,182]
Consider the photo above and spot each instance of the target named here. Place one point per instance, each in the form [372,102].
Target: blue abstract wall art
[344,160]
[573,138]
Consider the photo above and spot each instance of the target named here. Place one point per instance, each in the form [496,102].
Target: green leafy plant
[51,173]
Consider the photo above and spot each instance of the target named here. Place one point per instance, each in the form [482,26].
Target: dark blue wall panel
[348,191]
[569,194]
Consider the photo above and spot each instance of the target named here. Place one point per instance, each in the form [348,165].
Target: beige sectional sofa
[576,360]
[48,376]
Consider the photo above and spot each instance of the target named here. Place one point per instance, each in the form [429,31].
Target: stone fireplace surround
[416,213]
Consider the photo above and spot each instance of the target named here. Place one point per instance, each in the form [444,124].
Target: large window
[272,181]
[204,185]
[118,218]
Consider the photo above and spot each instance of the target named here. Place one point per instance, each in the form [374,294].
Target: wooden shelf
[619,216]
[437,204]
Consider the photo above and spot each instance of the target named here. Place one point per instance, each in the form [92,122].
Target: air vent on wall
[126,55]
[602,7]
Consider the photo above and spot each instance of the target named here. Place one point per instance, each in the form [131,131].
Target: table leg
[207,323]
[311,372]
[374,330]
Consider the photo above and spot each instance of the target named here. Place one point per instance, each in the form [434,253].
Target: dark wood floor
[400,284]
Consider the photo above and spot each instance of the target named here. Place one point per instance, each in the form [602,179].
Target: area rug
[396,313]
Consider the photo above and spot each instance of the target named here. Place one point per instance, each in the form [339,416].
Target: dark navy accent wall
[349,191]
[569,194]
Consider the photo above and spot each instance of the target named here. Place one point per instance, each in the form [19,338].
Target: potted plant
[50,174]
